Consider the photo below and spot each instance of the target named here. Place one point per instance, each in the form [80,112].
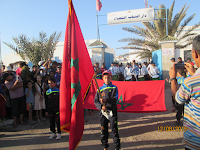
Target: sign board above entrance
[130,16]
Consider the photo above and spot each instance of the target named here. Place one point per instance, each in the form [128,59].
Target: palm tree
[156,30]
[36,49]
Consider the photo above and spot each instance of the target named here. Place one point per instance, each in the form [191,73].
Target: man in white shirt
[128,73]
[154,71]
[144,71]
[112,68]
[115,71]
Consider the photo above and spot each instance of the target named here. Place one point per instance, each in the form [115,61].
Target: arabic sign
[130,16]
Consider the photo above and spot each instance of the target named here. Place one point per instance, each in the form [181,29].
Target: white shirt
[154,71]
[128,73]
[112,70]
[143,70]
[121,69]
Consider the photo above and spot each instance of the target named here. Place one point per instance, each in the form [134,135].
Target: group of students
[36,90]
[132,72]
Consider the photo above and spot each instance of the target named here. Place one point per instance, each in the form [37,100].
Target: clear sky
[29,17]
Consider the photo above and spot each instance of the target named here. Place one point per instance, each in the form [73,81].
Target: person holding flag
[106,100]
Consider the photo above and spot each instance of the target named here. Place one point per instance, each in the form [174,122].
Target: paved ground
[137,131]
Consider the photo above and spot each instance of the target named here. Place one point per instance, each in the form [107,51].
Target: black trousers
[54,118]
[180,111]
[179,108]
[104,131]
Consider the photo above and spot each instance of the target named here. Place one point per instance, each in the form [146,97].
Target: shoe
[178,122]
[52,136]
[58,136]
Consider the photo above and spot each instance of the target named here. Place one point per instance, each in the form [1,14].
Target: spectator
[18,71]
[173,60]
[128,72]
[15,86]
[34,73]
[180,60]
[102,68]
[39,98]
[58,76]
[30,100]
[25,74]
[104,64]
[9,70]
[53,67]
[189,61]
[2,105]
[3,68]
[188,94]
[154,71]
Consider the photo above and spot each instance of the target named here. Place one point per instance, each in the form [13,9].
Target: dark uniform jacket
[52,101]
[111,96]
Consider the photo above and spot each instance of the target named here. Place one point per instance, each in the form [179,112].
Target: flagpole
[97,26]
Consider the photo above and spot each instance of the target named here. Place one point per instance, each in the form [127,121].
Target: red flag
[134,96]
[98,5]
[77,73]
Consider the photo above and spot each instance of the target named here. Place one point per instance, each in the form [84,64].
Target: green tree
[35,50]
[154,31]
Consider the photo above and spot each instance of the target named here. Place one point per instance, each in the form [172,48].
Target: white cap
[8,68]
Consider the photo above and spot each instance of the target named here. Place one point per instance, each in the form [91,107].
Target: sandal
[15,125]
[23,123]
[32,123]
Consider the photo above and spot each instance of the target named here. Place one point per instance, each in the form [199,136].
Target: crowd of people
[132,72]
[27,90]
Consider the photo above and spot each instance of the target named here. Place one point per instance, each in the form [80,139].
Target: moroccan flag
[98,5]
[134,96]
[77,73]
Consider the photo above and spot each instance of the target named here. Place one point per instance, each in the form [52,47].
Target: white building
[14,58]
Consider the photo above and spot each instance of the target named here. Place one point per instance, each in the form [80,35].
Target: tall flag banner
[76,76]
[134,96]
[98,5]
[0,58]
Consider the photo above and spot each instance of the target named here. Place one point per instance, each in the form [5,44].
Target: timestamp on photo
[172,128]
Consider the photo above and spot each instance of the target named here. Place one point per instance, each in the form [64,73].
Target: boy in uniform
[107,103]
[52,108]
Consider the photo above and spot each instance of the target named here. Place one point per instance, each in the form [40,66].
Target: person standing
[52,108]
[154,71]
[30,100]
[16,91]
[108,102]
[58,76]
[39,98]
[19,70]
[188,94]
[128,73]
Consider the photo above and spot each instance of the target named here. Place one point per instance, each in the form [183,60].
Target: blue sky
[29,17]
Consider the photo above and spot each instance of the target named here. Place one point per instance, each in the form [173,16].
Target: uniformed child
[107,103]
[52,108]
